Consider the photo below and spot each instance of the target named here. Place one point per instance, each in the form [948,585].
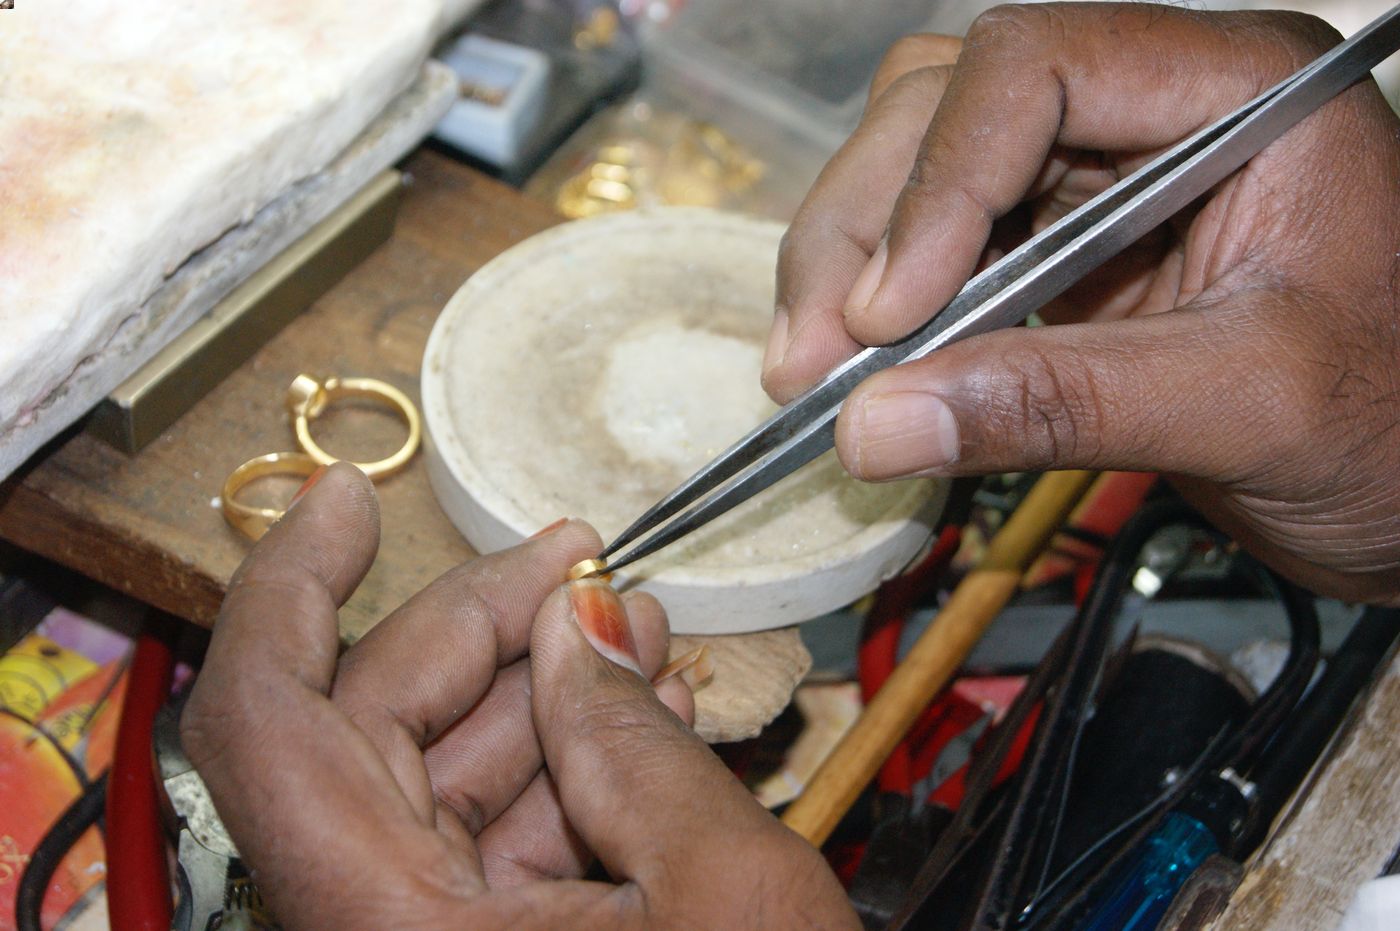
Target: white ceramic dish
[588,370]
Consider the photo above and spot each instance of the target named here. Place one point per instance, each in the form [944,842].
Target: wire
[1281,765]
[1053,901]
[63,752]
[43,862]
[1236,750]
[1014,878]
[1082,649]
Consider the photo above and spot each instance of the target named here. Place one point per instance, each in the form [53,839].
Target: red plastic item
[1110,501]
[879,648]
[138,873]
[950,793]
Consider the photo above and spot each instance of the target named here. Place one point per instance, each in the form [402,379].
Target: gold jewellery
[590,569]
[307,399]
[254,522]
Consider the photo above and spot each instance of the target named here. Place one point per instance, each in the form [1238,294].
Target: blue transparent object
[1163,864]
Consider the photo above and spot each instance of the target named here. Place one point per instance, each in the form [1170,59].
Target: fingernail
[546,531]
[867,281]
[603,620]
[777,341]
[905,432]
[307,485]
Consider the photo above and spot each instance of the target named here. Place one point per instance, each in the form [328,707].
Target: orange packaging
[61,690]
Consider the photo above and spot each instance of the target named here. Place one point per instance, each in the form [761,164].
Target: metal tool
[1009,291]
[215,890]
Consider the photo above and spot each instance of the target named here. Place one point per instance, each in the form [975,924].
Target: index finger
[912,53]
[839,227]
[1105,77]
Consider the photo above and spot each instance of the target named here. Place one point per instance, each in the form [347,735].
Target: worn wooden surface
[1341,830]
[148,525]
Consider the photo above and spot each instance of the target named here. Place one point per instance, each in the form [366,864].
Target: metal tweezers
[1010,290]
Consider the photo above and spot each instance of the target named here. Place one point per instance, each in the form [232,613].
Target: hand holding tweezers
[1010,290]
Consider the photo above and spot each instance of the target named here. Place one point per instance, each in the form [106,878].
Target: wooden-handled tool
[938,652]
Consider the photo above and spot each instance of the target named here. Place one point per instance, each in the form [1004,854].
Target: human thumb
[641,789]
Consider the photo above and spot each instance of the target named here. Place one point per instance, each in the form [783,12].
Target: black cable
[1007,883]
[1077,652]
[1283,764]
[1236,750]
[1020,869]
[1059,899]
[43,862]
[1096,620]
[1282,695]
[76,768]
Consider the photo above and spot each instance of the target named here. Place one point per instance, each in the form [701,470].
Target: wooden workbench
[149,524]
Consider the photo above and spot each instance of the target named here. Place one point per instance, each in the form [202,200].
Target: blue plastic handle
[1166,860]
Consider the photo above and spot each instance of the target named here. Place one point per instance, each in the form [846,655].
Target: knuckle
[202,731]
[1010,27]
[927,169]
[906,99]
[612,722]
[1058,405]
[638,739]
[901,51]
[789,247]
[482,611]
[964,199]
[382,724]
[822,244]
[293,583]
[1303,37]
[1278,43]
[907,55]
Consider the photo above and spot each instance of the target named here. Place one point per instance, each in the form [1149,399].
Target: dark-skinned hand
[463,763]
[1250,349]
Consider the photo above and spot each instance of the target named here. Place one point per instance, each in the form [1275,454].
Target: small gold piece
[599,32]
[254,522]
[590,569]
[307,398]
[695,669]
[482,93]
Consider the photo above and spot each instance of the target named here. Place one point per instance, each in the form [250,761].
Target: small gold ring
[307,398]
[254,522]
[590,569]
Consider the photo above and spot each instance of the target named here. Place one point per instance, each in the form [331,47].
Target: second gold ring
[307,398]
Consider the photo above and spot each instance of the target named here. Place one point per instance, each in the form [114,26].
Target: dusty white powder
[587,382]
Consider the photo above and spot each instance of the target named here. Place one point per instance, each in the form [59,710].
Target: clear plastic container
[788,79]
[804,65]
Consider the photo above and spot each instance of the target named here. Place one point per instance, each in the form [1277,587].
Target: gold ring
[254,522]
[590,569]
[307,398]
